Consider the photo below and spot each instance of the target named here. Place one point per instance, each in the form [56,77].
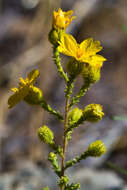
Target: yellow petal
[18,96]
[86,43]
[54,14]
[97,60]
[91,47]
[95,47]
[14,89]
[22,81]
[68,45]
[33,75]
[68,13]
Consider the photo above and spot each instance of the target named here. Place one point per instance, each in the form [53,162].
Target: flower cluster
[85,61]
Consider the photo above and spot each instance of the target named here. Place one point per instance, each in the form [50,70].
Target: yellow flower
[83,52]
[62,19]
[23,89]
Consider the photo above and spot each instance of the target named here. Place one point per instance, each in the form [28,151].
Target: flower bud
[63,181]
[93,113]
[74,67]
[74,115]
[52,156]
[73,186]
[90,74]
[96,148]
[62,19]
[54,36]
[34,96]
[46,135]
[54,160]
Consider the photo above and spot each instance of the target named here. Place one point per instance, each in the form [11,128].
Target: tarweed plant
[83,60]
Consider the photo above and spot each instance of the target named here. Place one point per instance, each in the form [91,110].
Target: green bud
[74,115]
[54,36]
[74,67]
[34,97]
[54,161]
[90,74]
[46,135]
[96,148]
[68,136]
[93,113]
[52,156]
[63,181]
[73,186]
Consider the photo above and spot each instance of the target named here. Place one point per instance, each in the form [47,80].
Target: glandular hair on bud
[74,67]
[96,149]
[46,135]
[34,97]
[90,74]
[74,115]
[93,113]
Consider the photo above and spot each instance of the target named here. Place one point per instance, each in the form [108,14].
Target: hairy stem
[64,139]
[48,108]
[57,62]
[80,94]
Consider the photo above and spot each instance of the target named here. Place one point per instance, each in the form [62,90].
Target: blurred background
[24,28]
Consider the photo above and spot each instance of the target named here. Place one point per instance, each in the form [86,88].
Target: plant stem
[57,62]
[64,139]
[48,108]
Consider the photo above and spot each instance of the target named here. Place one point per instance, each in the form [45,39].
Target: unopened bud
[54,36]
[93,113]
[63,181]
[54,160]
[90,74]
[96,148]
[74,67]
[52,156]
[34,96]
[46,135]
[74,115]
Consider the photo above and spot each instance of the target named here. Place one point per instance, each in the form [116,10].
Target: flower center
[79,53]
